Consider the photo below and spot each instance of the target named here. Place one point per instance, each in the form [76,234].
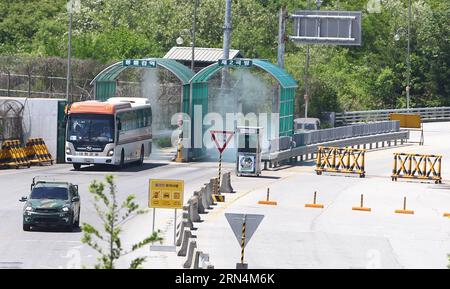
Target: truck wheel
[26,227]
[76,166]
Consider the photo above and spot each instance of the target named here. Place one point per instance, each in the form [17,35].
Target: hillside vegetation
[342,78]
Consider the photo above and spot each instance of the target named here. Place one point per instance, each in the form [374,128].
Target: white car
[306,124]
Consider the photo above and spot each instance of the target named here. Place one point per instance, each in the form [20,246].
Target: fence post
[29,84]
[8,85]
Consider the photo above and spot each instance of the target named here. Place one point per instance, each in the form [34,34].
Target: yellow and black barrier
[13,155]
[340,160]
[37,151]
[415,166]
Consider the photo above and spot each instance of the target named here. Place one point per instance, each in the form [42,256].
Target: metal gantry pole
[69,52]
[281,36]
[307,95]
[408,60]
[227,30]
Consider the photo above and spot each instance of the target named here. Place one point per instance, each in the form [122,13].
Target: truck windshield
[53,193]
[309,126]
[90,128]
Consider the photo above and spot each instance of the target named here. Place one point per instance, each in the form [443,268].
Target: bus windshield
[90,128]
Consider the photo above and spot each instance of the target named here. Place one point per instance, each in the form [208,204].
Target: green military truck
[51,204]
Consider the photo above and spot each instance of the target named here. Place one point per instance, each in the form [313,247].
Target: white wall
[40,119]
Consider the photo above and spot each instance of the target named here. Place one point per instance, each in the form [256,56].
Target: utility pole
[70,9]
[307,95]
[281,36]
[408,60]
[227,30]
[194,25]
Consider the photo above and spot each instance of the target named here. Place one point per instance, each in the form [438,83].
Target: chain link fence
[34,86]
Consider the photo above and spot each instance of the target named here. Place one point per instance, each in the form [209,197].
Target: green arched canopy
[288,86]
[105,82]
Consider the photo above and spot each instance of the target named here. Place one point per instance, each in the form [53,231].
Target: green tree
[113,215]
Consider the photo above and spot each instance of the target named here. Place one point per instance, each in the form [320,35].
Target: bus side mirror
[119,125]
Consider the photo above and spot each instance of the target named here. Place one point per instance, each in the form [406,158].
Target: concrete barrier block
[226,187]
[185,242]
[193,209]
[190,253]
[185,215]
[204,192]
[196,261]
[204,260]
[201,207]
[184,225]
[210,191]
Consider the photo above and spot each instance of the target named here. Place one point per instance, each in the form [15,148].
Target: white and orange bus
[114,132]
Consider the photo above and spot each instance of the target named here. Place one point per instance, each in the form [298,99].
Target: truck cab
[306,124]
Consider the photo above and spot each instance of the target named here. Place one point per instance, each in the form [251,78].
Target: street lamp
[191,34]
[397,36]
[180,40]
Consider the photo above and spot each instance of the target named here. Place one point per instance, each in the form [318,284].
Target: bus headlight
[111,153]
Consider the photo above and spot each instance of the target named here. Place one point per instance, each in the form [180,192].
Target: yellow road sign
[407,120]
[166,194]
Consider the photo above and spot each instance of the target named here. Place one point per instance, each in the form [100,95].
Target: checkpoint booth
[410,121]
[249,148]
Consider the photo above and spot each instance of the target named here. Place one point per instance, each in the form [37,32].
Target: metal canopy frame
[105,82]
[288,86]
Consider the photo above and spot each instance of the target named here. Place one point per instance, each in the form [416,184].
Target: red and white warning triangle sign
[226,137]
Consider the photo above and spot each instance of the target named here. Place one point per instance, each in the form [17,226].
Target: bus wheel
[76,166]
[122,160]
[141,159]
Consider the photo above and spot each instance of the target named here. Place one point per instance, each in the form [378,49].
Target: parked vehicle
[306,124]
